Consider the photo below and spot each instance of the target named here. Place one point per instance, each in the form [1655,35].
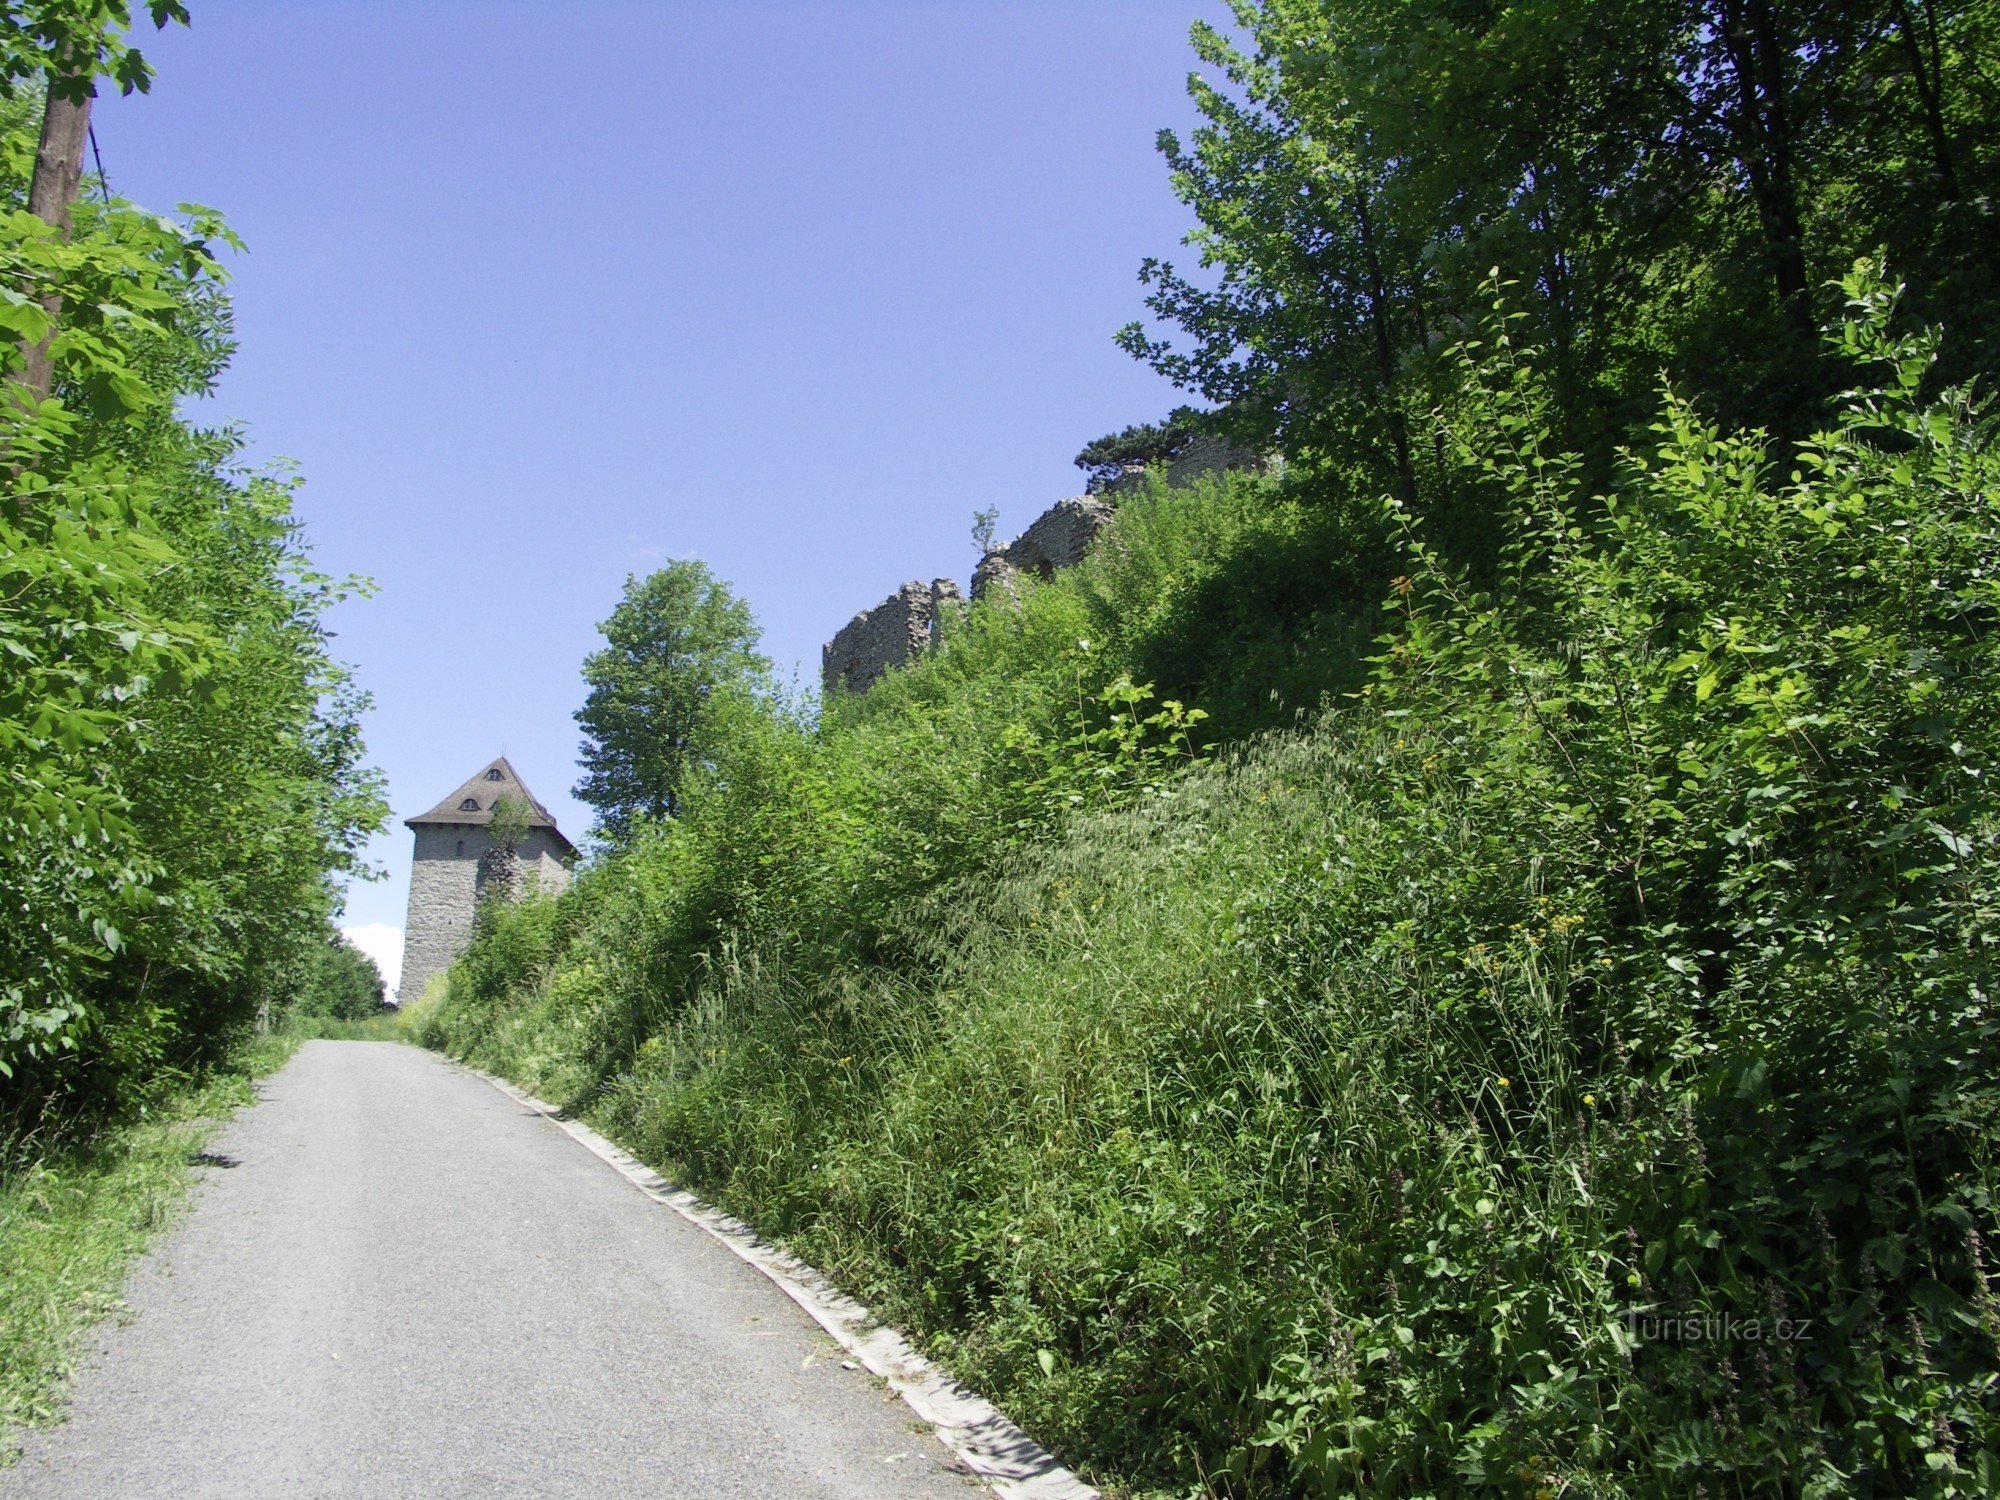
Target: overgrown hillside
[1565,1063]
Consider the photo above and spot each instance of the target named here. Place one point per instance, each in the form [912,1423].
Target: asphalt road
[394,1281]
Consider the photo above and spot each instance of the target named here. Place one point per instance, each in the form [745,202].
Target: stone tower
[456,862]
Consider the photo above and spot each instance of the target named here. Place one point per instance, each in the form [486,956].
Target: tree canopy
[64,45]
[1143,443]
[181,771]
[677,639]
[1669,184]
[338,981]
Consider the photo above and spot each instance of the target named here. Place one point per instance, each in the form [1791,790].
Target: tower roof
[471,806]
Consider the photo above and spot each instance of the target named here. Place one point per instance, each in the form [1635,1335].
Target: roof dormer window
[496,775]
[470,804]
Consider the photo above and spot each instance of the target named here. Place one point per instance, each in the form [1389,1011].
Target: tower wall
[444,891]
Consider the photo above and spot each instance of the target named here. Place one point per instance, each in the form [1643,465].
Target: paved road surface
[397,1282]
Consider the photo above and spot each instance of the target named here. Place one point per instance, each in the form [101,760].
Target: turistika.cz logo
[1715,1328]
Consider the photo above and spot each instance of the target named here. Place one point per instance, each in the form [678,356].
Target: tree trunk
[1385,348]
[1926,74]
[51,194]
[1762,130]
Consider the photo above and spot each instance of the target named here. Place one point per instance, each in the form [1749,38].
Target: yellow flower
[1503,1083]
[1590,1101]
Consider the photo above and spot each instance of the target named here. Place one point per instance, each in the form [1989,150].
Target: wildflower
[1983,1298]
[1943,1441]
[1590,1101]
[1504,1082]
[1920,1344]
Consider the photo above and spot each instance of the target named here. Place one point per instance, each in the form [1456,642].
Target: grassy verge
[71,1221]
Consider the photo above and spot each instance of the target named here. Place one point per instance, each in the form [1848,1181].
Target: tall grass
[1564,1066]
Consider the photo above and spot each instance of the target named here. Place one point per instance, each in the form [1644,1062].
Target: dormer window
[470,804]
[495,775]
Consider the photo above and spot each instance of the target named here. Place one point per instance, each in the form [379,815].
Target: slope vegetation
[1563,1061]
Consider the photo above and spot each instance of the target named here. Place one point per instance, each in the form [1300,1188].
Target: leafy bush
[1566,1067]
[180,759]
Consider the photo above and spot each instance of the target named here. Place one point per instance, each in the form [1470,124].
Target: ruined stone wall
[1207,456]
[897,630]
[1058,538]
[905,625]
[445,886]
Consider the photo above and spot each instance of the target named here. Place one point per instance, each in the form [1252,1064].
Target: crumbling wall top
[897,630]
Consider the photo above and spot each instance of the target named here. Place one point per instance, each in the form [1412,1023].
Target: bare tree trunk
[1764,147]
[52,193]
[1926,73]
[1385,349]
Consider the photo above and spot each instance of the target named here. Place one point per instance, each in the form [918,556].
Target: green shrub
[1568,1066]
[181,781]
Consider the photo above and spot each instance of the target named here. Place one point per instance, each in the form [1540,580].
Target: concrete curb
[1006,1459]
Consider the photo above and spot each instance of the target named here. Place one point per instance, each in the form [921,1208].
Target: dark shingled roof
[471,806]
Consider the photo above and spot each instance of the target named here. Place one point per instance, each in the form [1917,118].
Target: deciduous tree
[1670,185]
[677,638]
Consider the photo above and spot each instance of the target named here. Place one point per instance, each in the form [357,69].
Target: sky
[538,296]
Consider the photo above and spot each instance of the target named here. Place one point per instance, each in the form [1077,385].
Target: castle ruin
[909,622]
[1058,538]
[899,629]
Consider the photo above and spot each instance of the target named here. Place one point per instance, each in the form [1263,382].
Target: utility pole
[58,174]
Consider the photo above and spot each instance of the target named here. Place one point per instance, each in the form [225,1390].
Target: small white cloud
[650,553]
[382,943]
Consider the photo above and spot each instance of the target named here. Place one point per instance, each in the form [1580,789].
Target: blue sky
[541,295]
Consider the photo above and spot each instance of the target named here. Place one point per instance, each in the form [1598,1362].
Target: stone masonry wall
[1212,455]
[444,890]
[1058,538]
[905,625]
[897,630]
[1205,456]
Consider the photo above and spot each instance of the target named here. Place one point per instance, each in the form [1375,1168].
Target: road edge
[1008,1461]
